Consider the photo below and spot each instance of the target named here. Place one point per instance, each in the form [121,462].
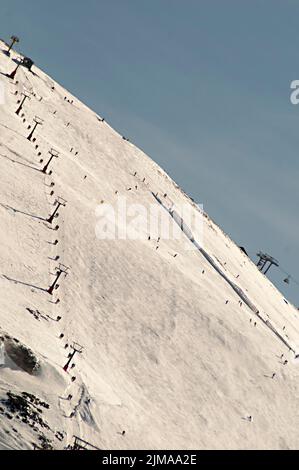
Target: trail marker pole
[38,122]
[59,202]
[54,154]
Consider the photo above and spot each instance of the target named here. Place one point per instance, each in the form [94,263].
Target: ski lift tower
[14,72]
[81,444]
[62,269]
[77,348]
[60,201]
[14,40]
[37,122]
[53,154]
[26,95]
[263,261]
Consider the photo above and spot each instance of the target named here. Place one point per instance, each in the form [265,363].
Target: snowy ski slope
[178,350]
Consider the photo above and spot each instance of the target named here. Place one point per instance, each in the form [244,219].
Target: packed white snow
[181,346]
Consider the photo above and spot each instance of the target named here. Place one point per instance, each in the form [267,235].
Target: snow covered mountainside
[188,349]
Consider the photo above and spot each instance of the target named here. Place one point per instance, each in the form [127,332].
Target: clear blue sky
[202,86]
